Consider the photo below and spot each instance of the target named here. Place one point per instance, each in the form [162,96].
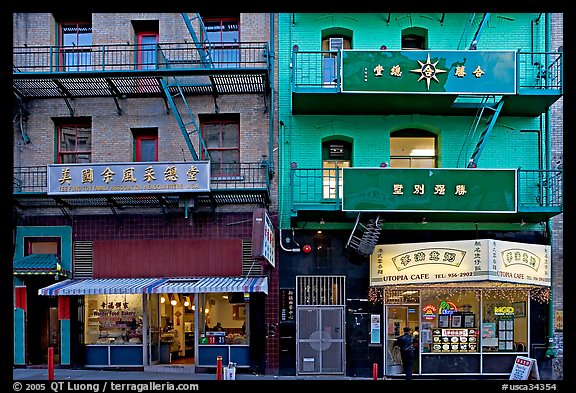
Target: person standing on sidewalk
[405,342]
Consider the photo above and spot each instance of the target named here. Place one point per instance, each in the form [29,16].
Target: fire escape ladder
[483,139]
[202,44]
[365,235]
[188,127]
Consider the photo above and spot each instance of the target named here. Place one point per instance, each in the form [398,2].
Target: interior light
[162,299]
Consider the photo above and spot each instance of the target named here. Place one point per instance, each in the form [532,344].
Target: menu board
[454,340]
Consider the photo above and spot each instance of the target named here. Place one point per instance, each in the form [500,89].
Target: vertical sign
[263,239]
[375,329]
[287,304]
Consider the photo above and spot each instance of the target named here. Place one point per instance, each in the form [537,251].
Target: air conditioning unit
[336,43]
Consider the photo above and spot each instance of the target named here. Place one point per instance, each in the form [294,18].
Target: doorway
[397,317]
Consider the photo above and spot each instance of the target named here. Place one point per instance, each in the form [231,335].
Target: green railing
[229,177]
[537,70]
[129,57]
[321,189]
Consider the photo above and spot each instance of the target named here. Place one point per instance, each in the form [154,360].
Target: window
[41,245]
[335,156]
[412,149]
[74,143]
[145,144]
[414,38]
[231,311]
[76,41]
[146,50]
[331,47]
[224,36]
[222,138]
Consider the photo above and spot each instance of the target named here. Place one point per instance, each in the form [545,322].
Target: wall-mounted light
[383,164]
[294,165]
[383,47]
[295,47]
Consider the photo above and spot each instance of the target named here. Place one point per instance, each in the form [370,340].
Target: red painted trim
[139,36]
[63,308]
[138,138]
[20,297]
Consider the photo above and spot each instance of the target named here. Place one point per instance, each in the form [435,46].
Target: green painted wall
[300,137]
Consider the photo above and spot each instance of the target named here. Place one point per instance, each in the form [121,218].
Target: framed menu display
[469,320]
[456,320]
[443,320]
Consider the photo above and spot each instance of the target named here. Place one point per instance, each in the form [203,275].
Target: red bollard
[375,371]
[50,363]
[219,368]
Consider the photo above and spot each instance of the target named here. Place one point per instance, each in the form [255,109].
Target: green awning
[39,264]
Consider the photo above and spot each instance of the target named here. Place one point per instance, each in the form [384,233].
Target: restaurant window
[74,143]
[336,154]
[333,41]
[450,321]
[412,149]
[76,45]
[504,321]
[223,33]
[145,144]
[223,318]
[113,319]
[222,138]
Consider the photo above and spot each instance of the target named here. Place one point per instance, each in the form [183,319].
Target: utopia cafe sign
[460,261]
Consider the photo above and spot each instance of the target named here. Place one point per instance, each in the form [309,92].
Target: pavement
[166,374]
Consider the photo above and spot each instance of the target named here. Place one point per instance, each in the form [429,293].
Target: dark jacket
[404,342]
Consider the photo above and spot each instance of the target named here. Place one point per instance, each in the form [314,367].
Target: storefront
[466,302]
[153,321]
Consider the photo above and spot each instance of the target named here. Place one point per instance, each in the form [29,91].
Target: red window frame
[217,169]
[145,136]
[139,36]
[64,50]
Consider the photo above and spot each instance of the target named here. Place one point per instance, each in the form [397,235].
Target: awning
[101,286]
[211,284]
[97,286]
[33,264]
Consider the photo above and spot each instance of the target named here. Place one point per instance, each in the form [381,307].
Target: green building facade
[450,111]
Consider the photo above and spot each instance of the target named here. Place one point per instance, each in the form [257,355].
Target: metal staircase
[491,121]
[190,127]
[173,89]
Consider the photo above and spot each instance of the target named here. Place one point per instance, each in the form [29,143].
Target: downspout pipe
[550,351]
[271,58]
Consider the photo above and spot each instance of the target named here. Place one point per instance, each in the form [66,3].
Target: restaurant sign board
[460,261]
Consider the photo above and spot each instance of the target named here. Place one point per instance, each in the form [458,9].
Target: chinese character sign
[427,71]
[128,178]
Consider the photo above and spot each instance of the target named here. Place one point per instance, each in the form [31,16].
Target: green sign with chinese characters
[425,71]
[429,190]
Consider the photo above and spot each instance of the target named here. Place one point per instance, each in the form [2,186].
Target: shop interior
[219,318]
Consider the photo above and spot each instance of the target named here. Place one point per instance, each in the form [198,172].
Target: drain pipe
[271,57]
[550,351]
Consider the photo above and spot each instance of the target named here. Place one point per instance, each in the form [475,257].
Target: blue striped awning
[97,286]
[210,284]
[102,286]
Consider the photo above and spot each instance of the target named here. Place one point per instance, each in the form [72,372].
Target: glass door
[153,318]
[397,317]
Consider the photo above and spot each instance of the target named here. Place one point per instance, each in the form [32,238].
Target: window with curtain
[415,149]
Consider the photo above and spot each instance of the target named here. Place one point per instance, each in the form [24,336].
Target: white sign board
[458,261]
[525,368]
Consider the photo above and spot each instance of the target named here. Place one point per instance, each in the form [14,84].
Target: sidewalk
[20,374]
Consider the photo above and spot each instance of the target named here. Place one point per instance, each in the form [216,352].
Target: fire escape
[177,72]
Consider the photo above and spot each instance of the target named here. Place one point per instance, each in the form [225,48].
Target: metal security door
[320,341]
